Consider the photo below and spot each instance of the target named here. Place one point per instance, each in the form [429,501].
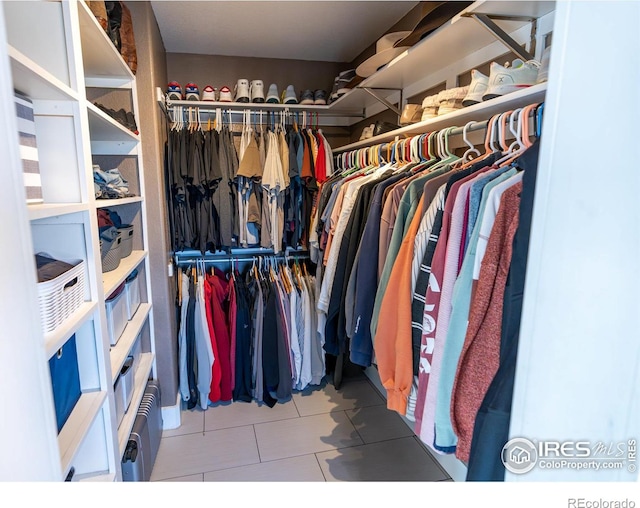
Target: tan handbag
[411,113]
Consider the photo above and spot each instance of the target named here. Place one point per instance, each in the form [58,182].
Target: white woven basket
[61,297]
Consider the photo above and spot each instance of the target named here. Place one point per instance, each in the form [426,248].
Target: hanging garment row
[258,192]
[413,253]
[247,336]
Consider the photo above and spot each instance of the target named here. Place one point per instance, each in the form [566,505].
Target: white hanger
[472,149]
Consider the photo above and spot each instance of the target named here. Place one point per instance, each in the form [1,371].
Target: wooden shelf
[111,280]
[55,339]
[459,118]
[105,203]
[121,350]
[141,377]
[39,211]
[77,426]
[99,55]
[36,82]
[104,128]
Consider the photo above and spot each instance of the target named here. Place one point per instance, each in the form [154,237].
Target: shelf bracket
[384,101]
[486,20]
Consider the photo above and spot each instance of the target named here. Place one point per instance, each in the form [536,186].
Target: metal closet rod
[265,109]
[249,254]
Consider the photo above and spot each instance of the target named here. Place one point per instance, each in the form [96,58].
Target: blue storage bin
[65,380]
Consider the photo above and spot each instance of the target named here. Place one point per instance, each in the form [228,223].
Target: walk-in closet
[267,241]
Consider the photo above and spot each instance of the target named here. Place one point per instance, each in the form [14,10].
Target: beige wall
[219,71]
[152,73]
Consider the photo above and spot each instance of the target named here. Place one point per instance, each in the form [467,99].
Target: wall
[219,71]
[152,73]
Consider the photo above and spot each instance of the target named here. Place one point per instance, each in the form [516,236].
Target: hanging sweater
[480,355]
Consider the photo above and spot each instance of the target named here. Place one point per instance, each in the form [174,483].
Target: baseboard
[449,463]
[171,416]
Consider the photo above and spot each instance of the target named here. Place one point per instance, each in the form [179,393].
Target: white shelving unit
[62,77]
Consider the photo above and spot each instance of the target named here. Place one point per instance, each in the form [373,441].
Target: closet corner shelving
[455,47]
[64,75]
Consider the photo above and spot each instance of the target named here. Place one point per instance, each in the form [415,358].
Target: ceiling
[332,31]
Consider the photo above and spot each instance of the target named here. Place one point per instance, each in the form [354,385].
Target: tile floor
[322,435]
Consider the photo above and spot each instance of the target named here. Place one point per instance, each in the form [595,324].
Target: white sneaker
[256,89]
[225,94]
[272,95]
[543,73]
[242,91]
[367,132]
[504,80]
[477,88]
[209,93]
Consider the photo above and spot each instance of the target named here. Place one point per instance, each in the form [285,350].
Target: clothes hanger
[469,153]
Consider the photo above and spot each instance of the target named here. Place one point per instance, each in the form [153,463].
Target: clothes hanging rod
[189,257]
[239,107]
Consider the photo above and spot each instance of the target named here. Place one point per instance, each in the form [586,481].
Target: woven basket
[60,297]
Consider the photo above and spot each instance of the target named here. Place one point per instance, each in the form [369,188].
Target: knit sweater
[480,355]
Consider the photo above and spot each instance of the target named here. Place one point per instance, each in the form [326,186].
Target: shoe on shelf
[174,91]
[273,97]
[209,93]
[543,73]
[477,88]
[191,92]
[289,96]
[343,81]
[451,100]
[320,97]
[256,90]
[367,132]
[225,94]
[306,97]
[430,107]
[506,79]
[242,91]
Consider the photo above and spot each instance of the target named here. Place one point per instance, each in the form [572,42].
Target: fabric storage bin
[111,260]
[136,352]
[119,399]
[28,148]
[132,289]
[126,375]
[65,380]
[60,289]
[123,389]
[116,306]
[126,235]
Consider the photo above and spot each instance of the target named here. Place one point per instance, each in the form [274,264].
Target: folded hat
[385,52]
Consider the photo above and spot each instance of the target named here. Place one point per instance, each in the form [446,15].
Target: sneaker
[306,97]
[242,91]
[191,92]
[451,100]
[430,107]
[273,97]
[343,80]
[289,96]
[478,86]
[174,91]
[225,94]
[320,97]
[256,89]
[367,132]
[543,73]
[504,80]
[209,93]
